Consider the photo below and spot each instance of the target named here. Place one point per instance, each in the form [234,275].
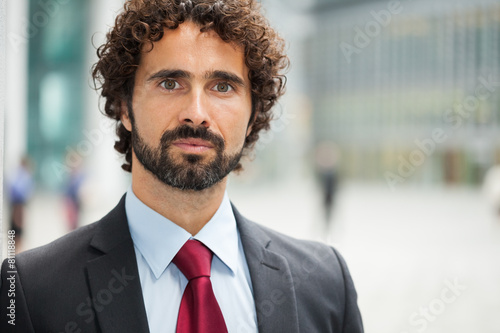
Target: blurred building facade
[408,89]
[392,83]
[56,85]
[52,112]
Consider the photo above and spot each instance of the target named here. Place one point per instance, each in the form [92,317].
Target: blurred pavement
[404,248]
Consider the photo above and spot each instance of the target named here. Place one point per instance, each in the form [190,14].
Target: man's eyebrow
[225,76]
[169,74]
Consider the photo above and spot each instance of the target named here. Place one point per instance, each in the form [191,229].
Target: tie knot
[193,259]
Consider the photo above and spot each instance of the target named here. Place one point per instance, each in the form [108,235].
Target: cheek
[237,135]
[233,126]
[153,119]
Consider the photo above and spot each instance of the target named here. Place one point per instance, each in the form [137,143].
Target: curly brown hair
[143,22]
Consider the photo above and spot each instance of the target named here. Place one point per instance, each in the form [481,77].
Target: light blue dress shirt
[157,240]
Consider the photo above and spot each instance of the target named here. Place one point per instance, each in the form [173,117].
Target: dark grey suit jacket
[87,281]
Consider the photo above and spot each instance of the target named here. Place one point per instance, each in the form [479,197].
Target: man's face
[191,106]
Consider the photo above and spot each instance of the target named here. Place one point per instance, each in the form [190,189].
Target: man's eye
[223,87]
[169,84]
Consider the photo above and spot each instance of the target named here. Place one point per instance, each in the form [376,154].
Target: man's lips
[193,145]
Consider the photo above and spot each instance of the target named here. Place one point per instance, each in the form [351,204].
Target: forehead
[187,48]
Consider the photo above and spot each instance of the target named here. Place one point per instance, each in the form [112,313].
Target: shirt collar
[159,239]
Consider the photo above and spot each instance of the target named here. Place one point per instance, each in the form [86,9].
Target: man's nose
[195,111]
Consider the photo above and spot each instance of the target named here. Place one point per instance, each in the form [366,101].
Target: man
[191,84]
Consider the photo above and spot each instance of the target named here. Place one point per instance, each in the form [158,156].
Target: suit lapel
[115,289]
[272,282]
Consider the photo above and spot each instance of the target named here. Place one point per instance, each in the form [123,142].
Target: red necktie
[199,311]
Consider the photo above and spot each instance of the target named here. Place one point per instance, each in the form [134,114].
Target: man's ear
[250,124]
[124,116]
[249,130]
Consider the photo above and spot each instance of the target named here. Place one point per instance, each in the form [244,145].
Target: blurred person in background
[20,187]
[491,188]
[191,84]
[72,196]
[327,159]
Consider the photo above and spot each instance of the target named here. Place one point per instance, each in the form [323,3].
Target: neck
[189,209]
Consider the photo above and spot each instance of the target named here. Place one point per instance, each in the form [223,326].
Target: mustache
[188,132]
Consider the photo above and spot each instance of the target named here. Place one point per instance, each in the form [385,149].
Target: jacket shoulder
[322,285]
[77,247]
[58,253]
[296,249]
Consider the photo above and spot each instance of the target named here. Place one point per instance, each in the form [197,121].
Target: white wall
[16,48]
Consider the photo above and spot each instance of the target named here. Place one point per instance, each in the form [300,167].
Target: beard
[189,171]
